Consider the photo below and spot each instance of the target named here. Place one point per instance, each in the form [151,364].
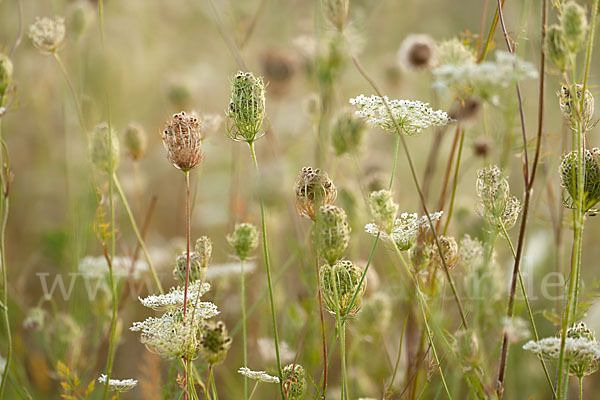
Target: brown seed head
[313,189]
[182,139]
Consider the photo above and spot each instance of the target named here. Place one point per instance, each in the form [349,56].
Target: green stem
[268,270]
[455,183]
[581,388]
[4,207]
[244,339]
[341,332]
[61,65]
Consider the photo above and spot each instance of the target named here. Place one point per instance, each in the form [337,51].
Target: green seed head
[384,209]
[204,250]
[214,342]
[6,73]
[568,178]
[574,24]
[181,265]
[135,140]
[492,190]
[313,189]
[338,285]
[568,107]
[294,381]
[580,330]
[332,232]
[104,156]
[247,107]
[346,133]
[556,48]
[454,52]
[244,240]
[511,212]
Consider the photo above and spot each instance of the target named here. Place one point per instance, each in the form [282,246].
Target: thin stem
[581,388]
[322,320]
[4,207]
[187,260]
[490,34]
[71,88]
[244,338]
[398,356]
[342,336]
[268,270]
[455,182]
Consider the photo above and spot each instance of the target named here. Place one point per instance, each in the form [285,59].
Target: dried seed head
[204,250]
[337,13]
[247,107]
[417,52]
[6,73]
[454,52]
[384,209]
[47,34]
[574,24]
[244,240]
[294,381]
[493,191]
[568,108]
[136,141]
[332,232]
[181,265]
[104,156]
[482,146]
[568,178]
[449,250]
[347,132]
[338,285]
[313,189]
[556,48]
[215,342]
[511,212]
[182,139]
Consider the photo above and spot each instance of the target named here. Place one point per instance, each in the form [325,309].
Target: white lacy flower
[260,376]
[412,116]
[118,385]
[405,230]
[98,267]
[174,299]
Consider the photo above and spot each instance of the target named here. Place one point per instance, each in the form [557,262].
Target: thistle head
[313,189]
[6,74]
[384,209]
[244,240]
[337,13]
[182,139]
[135,140]
[104,155]
[574,24]
[346,133]
[449,250]
[247,107]
[568,105]
[568,178]
[556,48]
[339,282]
[47,34]
[417,52]
[332,232]
[203,249]
[181,265]
[294,381]
[214,342]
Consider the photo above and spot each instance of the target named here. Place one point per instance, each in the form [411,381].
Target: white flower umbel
[118,385]
[174,299]
[260,376]
[405,230]
[412,116]
[122,266]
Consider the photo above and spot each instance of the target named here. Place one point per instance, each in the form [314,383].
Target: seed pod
[204,250]
[384,209]
[568,178]
[104,157]
[214,342]
[294,381]
[332,232]
[244,240]
[182,139]
[556,48]
[181,265]
[338,285]
[449,250]
[136,141]
[247,107]
[574,24]
[313,189]
[47,34]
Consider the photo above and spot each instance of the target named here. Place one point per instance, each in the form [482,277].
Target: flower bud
[244,240]
[104,157]
[346,133]
[214,342]
[313,189]
[47,34]
[204,250]
[568,178]
[384,209]
[574,24]
[294,381]
[6,73]
[332,232]
[247,107]
[556,48]
[136,141]
[339,282]
[181,265]
[182,138]
[449,249]
[567,107]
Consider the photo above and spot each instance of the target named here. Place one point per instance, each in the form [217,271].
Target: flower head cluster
[118,385]
[47,34]
[182,139]
[470,251]
[496,205]
[384,209]
[568,178]
[582,351]
[203,249]
[247,107]
[195,271]
[412,116]
[332,232]
[417,52]
[244,240]
[104,155]
[122,267]
[215,342]
[135,141]
[339,282]
[174,299]
[294,381]
[454,52]
[449,250]
[313,189]
[260,376]
[567,107]
[574,25]
[346,133]
[6,74]
[406,229]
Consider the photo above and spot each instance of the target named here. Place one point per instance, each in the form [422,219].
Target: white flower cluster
[47,34]
[174,299]
[405,230]
[471,251]
[412,116]
[485,79]
[118,385]
[98,267]
[260,376]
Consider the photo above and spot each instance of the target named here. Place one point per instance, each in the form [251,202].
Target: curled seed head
[332,232]
[574,24]
[47,34]
[384,209]
[568,178]
[338,285]
[214,342]
[181,265]
[454,52]
[567,107]
[6,74]
[511,212]
[203,249]
[244,240]
[313,189]
[417,52]
[294,381]
[104,156]
[556,48]
[182,139]
[347,132]
[135,140]
[492,190]
[247,107]
[449,250]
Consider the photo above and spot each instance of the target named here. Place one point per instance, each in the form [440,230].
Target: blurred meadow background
[150,60]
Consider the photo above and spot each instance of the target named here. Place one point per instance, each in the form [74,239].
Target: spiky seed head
[214,342]
[181,265]
[247,107]
[332,232]
[136,141]
[454,52]
[492,190]
[347,132]
[244,240]
[337,13]
[182,139]
[567,106]
[417,52]
[384,209]
[568,178]
[313,189]
[449,250]
[47,34]
[203,249]
[556,48]
[294,381]
[6,74]
[482,146]
[574,24]
[103,155]
[338,285]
